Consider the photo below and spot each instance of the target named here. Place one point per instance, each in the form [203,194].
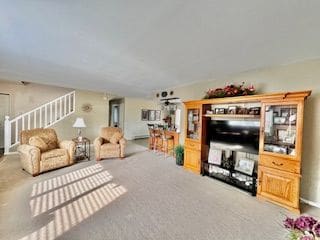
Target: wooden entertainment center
[280,117]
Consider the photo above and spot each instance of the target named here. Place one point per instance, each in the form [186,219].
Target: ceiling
[132,48]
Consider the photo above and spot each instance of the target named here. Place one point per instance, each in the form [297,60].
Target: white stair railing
[44,116]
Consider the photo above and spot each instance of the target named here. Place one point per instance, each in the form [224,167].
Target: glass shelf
[193,123]
[280,129]
[234,178]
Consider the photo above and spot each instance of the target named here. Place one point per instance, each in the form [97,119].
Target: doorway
[4,111]
[116,113]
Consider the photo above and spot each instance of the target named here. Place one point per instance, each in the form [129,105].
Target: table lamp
[79,123]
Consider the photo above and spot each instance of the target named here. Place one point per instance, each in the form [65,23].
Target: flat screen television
[239,135]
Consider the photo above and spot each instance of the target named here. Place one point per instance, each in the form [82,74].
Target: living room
[84,67]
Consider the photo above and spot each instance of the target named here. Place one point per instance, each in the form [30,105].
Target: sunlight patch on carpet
[71,199]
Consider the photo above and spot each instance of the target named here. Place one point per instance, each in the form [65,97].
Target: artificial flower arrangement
[230,90]
[302,228]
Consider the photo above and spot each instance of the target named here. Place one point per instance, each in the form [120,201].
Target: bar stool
[166,139]
[154,140]
[158,141]
[151,135]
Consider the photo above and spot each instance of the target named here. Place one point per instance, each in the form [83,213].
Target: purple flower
[305,223]
[316,229]
[288,223]
[306,238]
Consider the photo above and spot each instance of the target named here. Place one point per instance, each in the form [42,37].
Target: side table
[82,151]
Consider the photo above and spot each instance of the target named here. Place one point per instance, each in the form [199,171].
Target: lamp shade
[79,123]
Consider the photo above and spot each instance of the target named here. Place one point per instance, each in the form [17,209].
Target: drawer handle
[277,164]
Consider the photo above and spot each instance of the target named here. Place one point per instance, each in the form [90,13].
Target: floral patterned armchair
[41,151]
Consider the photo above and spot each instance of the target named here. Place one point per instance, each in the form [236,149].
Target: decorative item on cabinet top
[230,90]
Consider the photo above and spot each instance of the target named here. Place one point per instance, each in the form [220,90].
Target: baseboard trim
[140,137]
[311,203]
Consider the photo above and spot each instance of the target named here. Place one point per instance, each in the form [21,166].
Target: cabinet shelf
[235,116]
[231,170]
[285,124]
[229,179]
[280,143]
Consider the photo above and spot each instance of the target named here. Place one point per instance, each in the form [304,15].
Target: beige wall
[99,116]
[27,97]
[293,77]
[24,98]
[133,126]
[94,120]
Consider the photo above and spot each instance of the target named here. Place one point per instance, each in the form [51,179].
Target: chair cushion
[39,143]
[107,132]
[55,153]
[108,150]
[40,132]
[116,137]
[51,142]
[53,159]
[110,147]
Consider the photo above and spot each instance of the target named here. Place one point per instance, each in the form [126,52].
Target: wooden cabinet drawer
[192,145]
[280,187]
[192,160]
[280,163]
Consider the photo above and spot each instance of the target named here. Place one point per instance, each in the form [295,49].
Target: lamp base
[79,135]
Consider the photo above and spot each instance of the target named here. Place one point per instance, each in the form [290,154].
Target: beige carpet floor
[143,196]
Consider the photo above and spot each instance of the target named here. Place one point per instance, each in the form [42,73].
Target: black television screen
[241,134]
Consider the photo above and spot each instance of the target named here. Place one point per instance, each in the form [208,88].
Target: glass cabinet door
[280,129]
[193,123]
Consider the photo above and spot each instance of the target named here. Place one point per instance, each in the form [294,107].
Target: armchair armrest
[70,146]
[122,143]
[97,144]
[30,158]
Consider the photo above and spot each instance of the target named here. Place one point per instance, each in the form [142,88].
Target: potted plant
[179,152]
[302,228]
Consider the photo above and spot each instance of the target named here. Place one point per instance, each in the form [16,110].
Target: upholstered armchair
[110,144]
[41,151]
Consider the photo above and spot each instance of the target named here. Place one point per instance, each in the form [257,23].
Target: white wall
[293,77]
[133,125]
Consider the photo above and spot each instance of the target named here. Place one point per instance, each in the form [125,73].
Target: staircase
[44,116]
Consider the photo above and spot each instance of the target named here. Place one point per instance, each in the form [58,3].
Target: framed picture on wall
[158,115]
[152,115]
[144,114]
